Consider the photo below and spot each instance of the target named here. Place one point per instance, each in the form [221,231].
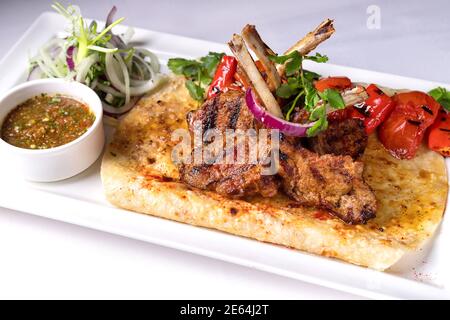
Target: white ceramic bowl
[61,162]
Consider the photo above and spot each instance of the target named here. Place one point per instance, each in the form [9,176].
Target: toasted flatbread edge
[124,188]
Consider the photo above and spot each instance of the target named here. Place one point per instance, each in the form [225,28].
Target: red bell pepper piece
[373,112]
[403,131]
[375,109]
[439,134]
[224,76]
[339,115]
[339,83]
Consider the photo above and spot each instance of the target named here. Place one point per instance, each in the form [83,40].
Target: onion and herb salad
[118,72]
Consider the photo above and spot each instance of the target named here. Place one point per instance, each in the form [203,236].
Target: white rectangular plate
[80,200]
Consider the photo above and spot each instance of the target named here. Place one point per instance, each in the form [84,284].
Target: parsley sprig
[199,73]
[299,89]
[442,96]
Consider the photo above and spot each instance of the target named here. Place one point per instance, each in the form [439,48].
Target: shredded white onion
[113,77]
[131,72]
[47,60]
[110,90]
[124,70]
[118,111]
[84,66]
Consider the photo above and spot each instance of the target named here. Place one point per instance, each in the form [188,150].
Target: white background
[40,258]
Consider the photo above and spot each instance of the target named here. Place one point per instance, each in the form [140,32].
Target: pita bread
[138,174]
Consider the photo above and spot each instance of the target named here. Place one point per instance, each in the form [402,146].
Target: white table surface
[40,258]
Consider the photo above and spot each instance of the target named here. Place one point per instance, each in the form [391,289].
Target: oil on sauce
[46,121]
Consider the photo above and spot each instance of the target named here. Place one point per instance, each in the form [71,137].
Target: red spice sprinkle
[322,215]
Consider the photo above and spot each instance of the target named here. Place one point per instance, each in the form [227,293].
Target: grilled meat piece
[234,181]
[342,138]
[331,182]
[227,111]
[300,115]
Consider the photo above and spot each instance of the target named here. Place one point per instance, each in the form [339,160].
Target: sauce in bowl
[46,121]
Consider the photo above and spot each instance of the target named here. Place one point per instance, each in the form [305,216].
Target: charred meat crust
[332,182]
[232,180]
[342,138]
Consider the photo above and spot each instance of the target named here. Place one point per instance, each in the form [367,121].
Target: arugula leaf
[210,62]
[320,116]
[312,96]
[199,73]
[292,60]
[334,98]
[310,76]
[300,83]
[295,84]
[437,93]
[445,103]
[292,88]
[317,58]
[283,59]
[196,91]
[179,65]
[285,91]
[442,96]
[294,65]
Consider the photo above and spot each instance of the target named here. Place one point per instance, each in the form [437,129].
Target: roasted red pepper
[375,109]
[439,134]
[224,76]
[403,131]
[339,83]
[373,112]
[339,115]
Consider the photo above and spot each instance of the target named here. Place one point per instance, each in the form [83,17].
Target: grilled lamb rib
[333,182]
[227,111]
[327,181]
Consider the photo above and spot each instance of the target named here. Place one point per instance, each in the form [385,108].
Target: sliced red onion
[272,122]
[116,41]
[69,58]
[110,17]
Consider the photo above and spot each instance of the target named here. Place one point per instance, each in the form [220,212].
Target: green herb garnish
[196,91]
[299,89]
[442,96]
[199,73]
[333,97]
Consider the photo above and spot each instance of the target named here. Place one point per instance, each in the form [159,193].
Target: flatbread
[138,174]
